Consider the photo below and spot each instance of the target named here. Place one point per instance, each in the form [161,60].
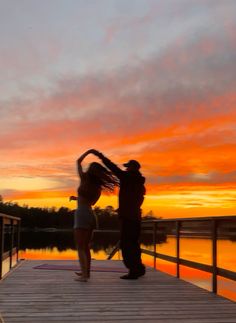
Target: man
[131,196]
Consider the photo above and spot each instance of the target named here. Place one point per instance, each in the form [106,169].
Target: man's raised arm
[108,163]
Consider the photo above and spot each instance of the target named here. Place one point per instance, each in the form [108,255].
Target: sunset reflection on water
[191,249]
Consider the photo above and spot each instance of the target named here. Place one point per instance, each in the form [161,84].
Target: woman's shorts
[84,218]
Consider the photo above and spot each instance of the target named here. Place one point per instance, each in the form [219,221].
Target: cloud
[126,23]
[173,108]
[125,108]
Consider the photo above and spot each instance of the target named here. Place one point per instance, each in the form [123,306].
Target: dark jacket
[132,190]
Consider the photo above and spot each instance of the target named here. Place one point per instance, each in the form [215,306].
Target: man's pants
[130,247]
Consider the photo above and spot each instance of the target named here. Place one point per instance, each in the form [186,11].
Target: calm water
[58,245]
[199,250]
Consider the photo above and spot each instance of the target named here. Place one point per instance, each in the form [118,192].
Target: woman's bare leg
[80,240]
[88,256]
[88,253]
[83,264]
[81,237]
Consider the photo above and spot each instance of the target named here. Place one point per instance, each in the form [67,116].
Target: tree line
[40,218]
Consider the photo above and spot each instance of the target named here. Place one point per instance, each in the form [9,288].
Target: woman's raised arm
[79,161]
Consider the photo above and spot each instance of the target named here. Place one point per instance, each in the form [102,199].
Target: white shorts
[84,218]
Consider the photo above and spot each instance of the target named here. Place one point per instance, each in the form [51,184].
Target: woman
[92,182]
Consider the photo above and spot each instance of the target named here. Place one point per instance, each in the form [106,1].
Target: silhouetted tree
[40,218]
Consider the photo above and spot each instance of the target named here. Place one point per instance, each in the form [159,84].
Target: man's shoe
[141,272]
[129,276]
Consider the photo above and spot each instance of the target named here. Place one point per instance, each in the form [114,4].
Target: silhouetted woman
[92,182]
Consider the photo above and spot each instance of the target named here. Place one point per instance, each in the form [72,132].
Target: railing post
[213,226]
[11,241]
[154,242]
[17,240]
[177,248]
[214,256]
[1,244]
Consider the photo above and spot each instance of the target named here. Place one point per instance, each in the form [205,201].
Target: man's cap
[133,163]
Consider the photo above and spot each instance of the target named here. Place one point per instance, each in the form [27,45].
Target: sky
[152,80]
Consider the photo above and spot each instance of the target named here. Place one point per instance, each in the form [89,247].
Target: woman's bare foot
[81,279]
[78,273]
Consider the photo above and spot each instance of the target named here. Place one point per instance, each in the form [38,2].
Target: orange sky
[146,81]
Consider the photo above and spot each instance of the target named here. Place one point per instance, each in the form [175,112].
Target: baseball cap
[132,163]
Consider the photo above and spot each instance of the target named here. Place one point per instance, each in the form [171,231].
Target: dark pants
[130,247]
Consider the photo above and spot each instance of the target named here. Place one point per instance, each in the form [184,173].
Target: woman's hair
[102,176]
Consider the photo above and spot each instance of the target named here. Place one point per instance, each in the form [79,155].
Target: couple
[131,196]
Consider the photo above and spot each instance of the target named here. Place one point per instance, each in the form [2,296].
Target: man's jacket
[132,190]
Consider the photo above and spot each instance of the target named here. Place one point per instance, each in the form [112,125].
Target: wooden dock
[39,295]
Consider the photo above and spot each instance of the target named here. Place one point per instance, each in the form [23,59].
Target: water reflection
[195,249]
[60,245]
[63,240]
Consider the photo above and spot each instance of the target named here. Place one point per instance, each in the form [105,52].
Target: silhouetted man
[131,196]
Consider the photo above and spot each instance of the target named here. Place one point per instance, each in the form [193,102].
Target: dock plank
[34,295]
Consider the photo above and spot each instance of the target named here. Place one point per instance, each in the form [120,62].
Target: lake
[60,245]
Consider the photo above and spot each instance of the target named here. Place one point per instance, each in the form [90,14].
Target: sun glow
[168,101]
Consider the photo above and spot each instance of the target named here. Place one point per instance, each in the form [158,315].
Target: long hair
[102,176]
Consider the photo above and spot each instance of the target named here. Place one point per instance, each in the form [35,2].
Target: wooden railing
[9,242]
[214,228]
